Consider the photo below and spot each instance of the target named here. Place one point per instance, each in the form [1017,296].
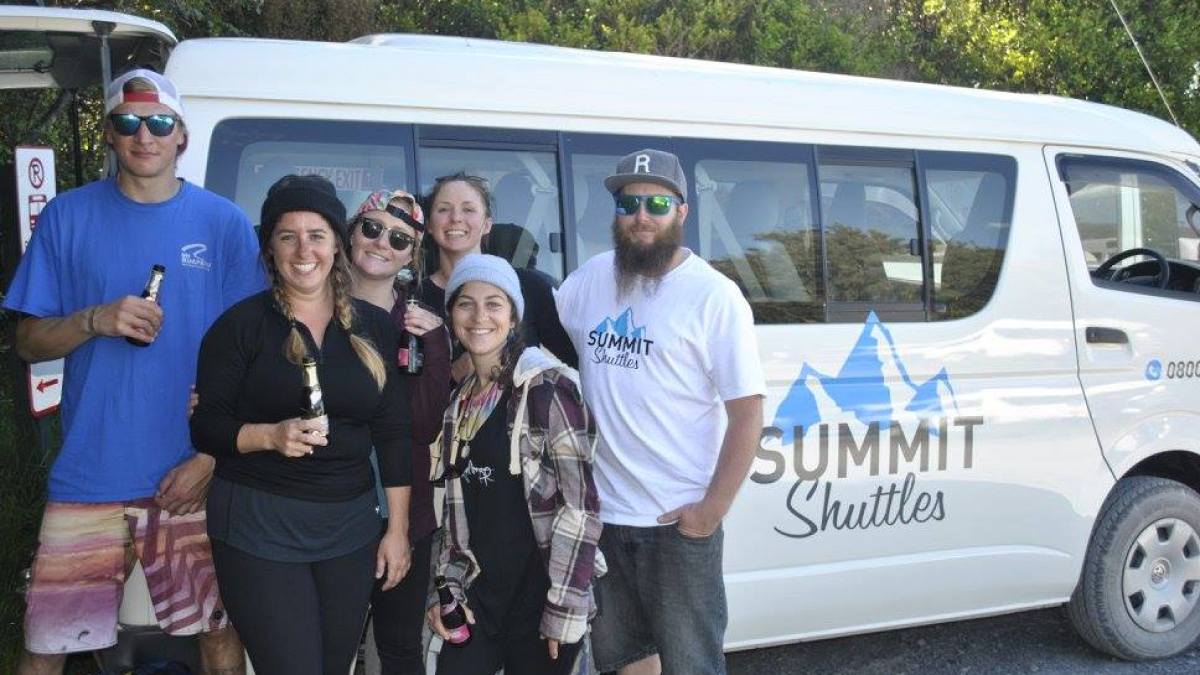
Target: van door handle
[1097,335]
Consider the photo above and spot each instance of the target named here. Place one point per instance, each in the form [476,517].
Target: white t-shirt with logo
[656,370]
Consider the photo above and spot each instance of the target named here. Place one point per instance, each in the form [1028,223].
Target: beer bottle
[313,405]
[153,284]
[454,617]
[411,357]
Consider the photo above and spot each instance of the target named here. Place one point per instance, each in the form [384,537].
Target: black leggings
[399,616]
[297,618]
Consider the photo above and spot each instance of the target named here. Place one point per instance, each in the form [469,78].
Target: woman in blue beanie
[521,511]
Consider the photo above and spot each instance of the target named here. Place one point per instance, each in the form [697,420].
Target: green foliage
[787,33]
[1047,46]
[22,493]
[1064,47]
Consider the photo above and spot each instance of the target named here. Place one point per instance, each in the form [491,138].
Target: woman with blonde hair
[292,509]
[385,255]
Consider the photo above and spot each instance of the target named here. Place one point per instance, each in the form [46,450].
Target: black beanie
[302,193]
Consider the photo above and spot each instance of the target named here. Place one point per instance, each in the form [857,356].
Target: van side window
[248,155]
[1121,205]
[525,196]
[590,158]
[969,200]
[756,223]
[872,229]
[593,204]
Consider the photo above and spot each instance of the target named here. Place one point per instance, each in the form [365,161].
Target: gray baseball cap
[649,166]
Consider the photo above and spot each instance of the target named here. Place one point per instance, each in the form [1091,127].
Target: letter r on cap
[641,164]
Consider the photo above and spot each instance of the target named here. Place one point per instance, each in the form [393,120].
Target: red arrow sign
[43,385]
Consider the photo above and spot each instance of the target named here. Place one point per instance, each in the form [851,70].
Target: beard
[646,263]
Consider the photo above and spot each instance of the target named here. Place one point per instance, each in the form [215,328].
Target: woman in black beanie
[291,510]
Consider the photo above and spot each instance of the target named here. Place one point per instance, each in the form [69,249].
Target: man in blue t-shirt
[127,484]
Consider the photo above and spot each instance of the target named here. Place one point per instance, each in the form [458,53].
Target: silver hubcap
[1161,583]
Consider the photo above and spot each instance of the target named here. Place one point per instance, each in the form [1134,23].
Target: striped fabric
[79,573]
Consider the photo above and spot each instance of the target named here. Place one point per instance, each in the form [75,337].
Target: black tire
[1099,608]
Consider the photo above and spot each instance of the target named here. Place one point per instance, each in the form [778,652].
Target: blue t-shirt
[124,408]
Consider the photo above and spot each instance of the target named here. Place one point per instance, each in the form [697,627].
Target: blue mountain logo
[622,326]
[619,342]
[873,385]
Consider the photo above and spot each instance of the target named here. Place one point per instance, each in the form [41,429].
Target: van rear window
[249,155]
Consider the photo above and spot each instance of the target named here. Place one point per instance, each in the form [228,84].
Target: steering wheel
[1105,270]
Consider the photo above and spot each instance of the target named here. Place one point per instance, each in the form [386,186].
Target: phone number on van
[1177,370]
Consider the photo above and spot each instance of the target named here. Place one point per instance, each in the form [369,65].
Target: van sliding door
[589,158]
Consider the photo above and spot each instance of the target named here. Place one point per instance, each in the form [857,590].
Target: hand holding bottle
[419,320]
[450,619]
[149,294]
[128,317]
[298,437]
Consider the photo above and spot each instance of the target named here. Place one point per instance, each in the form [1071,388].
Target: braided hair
[294,348]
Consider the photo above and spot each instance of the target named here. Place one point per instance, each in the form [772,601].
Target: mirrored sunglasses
[656,205]
[126,124]
[371,229]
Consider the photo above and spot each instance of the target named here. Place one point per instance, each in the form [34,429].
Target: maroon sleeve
[431,391]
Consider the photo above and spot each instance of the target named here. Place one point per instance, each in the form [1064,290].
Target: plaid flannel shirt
[554,434]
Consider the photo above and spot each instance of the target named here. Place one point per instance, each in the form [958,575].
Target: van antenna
[1144,61]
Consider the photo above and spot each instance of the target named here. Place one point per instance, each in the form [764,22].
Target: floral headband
[381,200]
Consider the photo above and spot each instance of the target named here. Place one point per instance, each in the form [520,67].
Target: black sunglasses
[126,124]
[371,229]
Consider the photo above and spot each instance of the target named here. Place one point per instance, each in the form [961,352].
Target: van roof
[441,72]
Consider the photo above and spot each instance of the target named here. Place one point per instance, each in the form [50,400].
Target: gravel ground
[1030,642]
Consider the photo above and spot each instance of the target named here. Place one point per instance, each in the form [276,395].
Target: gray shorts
[663,594]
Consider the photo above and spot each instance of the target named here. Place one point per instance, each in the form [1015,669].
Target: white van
[981,400]
[976,309]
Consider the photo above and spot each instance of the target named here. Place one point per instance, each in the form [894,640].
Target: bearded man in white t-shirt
[670,369]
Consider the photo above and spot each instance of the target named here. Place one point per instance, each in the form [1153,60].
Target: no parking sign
[35,188]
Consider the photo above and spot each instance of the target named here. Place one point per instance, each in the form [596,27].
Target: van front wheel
[1138,595]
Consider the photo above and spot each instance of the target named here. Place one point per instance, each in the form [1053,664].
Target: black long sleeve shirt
[243,377]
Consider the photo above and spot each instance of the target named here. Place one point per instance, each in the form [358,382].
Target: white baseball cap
[164,91]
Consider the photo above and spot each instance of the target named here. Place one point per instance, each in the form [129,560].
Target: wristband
[91,320]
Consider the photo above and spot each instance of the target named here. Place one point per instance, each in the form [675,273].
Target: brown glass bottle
[153,284]
[411,356]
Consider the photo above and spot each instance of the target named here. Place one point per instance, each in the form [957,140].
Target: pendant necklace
[473,411]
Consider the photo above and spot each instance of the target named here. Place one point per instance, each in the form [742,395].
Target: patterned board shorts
[79,574]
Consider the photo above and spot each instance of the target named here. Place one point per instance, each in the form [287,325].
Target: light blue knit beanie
[489,269]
